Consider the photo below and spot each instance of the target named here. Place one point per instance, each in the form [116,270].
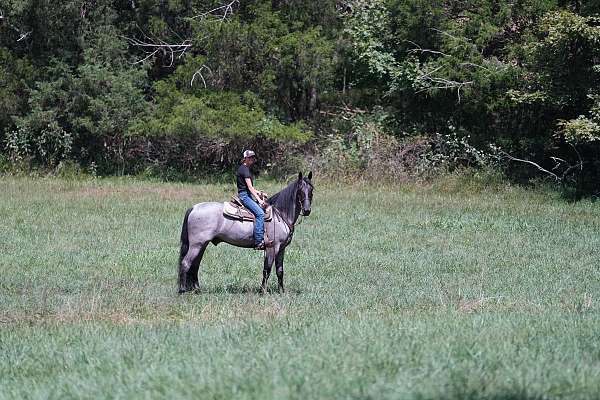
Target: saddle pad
[242,213]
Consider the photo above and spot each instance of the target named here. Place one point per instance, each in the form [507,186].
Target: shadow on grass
[244,289]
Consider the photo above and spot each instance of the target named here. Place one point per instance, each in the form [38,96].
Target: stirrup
[264,245]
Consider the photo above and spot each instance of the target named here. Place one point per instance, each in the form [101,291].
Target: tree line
[179,87]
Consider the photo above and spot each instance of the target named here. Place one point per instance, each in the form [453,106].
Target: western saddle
[235,209]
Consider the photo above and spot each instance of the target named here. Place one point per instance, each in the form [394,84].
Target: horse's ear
[300,176]
[310,176]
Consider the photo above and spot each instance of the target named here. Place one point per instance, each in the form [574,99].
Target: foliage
[220,115]
[15,75]
[76,112]
[287,63]
[91,81]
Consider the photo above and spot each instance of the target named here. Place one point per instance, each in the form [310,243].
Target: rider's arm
[253,191]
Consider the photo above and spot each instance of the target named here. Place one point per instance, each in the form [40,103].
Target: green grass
[448,291]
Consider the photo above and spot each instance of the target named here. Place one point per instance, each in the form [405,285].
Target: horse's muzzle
[306,213]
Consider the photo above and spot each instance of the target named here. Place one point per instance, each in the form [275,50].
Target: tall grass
[393,292]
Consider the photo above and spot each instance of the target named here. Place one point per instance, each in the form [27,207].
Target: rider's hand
[262,203]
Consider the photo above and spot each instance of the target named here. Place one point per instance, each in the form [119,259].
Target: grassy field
[408,292]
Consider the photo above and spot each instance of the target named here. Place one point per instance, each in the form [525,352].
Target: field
[447,291]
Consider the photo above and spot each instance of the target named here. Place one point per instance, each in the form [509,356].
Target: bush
[41,140]
[223,115]
[370,149]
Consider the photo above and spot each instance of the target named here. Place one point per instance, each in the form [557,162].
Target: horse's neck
[291,215]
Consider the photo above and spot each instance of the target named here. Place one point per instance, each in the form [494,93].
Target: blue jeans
[258,212]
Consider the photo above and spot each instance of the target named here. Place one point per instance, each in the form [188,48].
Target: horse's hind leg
[185,268]
[193,272]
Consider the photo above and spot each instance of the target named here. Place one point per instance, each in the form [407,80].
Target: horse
[205,223]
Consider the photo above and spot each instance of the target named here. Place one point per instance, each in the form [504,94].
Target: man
[246,189]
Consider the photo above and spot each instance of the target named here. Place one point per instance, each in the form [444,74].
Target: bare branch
[199,73]
[428,51]
[24,36]
[427,79]
[419,49]
[150,55]
[428,74]
[558,162]
[544,170]
[152,46]
[440,83]
[226,9]
[578,155]
[571,168]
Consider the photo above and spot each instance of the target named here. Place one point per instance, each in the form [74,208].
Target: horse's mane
[285,200]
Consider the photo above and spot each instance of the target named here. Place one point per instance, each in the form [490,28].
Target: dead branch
[24,36]
[199,73]
[152,46]
[225,9]
[431,82]
[578,155]
[559,162]
[435,83]
[539,167]
[419,49]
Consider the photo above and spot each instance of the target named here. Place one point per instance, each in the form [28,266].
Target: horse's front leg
[279,269]
[269,258]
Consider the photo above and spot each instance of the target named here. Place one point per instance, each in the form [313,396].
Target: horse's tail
[185,242]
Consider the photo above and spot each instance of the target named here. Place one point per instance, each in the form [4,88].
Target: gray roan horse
[205,223]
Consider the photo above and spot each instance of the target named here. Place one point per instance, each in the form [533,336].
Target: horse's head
[305,193]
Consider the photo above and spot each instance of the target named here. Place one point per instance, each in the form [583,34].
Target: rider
[245,186]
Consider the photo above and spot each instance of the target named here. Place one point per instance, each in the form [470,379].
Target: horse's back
[208,206]
[204,221]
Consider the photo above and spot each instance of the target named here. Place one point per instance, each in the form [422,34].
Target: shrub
[370,149]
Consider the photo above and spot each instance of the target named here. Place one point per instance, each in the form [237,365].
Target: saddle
[236,210]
